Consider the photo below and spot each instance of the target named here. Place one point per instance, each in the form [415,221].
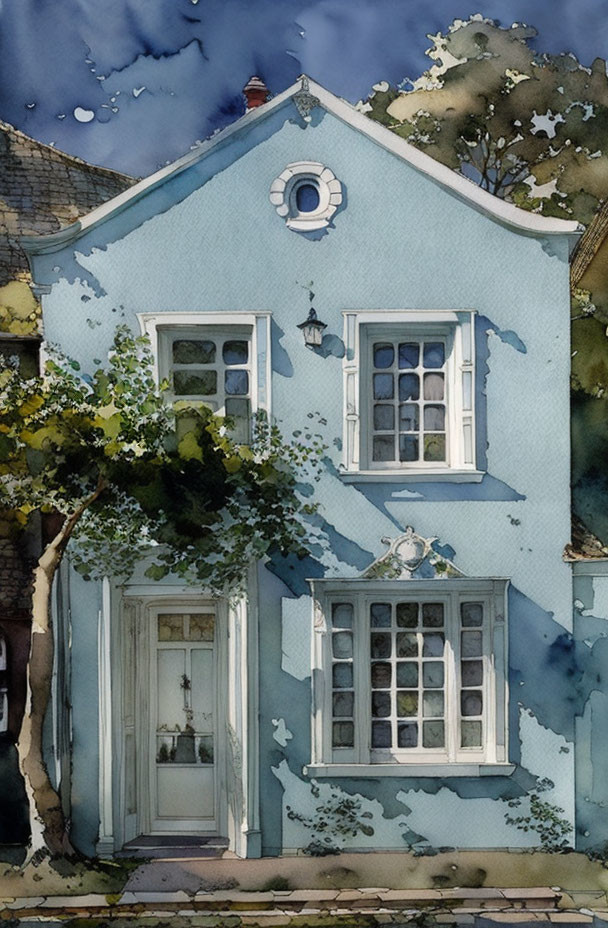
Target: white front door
[183,719]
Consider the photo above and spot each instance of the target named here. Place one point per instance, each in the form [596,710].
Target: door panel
[183,701]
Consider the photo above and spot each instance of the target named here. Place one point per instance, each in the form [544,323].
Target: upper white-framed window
[409,394]
[306,194]
[409,674]
[219,359]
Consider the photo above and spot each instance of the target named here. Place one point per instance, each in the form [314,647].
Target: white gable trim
[512,216]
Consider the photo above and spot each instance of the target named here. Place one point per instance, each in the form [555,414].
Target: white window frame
[361,759]
[257,324]
[457,329]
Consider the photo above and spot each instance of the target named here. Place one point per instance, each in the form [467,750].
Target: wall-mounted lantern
[312,329]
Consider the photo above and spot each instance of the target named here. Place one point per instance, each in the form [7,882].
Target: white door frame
[124,711]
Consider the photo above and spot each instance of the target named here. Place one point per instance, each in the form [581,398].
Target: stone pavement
[315,908]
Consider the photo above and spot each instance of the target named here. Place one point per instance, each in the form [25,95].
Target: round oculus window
[306,195]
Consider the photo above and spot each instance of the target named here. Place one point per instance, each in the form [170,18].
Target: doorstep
[174,847]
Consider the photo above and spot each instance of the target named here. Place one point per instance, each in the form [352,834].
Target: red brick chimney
[256,92]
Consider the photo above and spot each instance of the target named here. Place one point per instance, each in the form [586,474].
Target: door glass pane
[202,686]
[202,627]
[171,667]
[170,627]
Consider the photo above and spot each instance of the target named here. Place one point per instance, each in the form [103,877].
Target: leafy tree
[114,469]
[507,117]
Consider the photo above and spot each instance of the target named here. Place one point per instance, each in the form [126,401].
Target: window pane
[307,198]
[433,386]
[381,645]
[193,351]
[407,735]
[342,615]
[407,704]
[380,614]
[434,447]
[343,734]
[407,673]
[432,704]
[409,387]
[433,644]
[433,735]
[235,352]
[471,644]
[381,734]
[407,645]
[407,615]
[408,448]
[238,411]
[384,355]
[187,383]
[202,627]
[432,674]
[432,615]
[434,354]
[384,448]
[384,417]
[434,418]
[408,417]
[409,354]
[342,676]
[470,734]
[471,673]
[343,704]
[383,387]
[381,676]
[471,614]
[381,704]
[236,382]
[342,644]
[471,702]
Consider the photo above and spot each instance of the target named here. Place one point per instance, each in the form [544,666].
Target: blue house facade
[422,660]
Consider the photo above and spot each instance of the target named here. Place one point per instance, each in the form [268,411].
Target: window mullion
[452,671]
[362,682]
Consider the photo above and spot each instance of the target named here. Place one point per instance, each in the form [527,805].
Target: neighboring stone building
[41,190]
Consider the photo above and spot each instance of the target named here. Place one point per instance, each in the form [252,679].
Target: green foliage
[131,475]
[507,117]
[544,818]
[337,817]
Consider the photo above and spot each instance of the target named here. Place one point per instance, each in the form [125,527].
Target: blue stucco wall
[209,240]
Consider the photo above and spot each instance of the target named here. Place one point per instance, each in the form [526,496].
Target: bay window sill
[409,770]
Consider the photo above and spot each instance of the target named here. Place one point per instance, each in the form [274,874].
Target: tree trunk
[47,822]
[49,832]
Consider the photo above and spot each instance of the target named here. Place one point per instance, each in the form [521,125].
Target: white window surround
[258,324]
[283,195]
[360,760]
[457,329]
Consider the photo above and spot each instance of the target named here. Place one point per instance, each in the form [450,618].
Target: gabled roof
[42,189]
[306,95]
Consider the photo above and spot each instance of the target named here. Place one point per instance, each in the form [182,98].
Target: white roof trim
[507,213]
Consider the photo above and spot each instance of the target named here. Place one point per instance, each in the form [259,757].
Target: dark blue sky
[151,77]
